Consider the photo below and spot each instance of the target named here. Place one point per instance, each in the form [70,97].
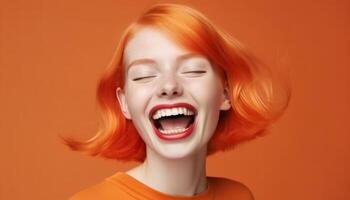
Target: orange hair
[249,85]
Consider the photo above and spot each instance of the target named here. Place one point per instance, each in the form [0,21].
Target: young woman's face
[173,96]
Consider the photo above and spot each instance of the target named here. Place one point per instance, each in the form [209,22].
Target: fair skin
[158,71]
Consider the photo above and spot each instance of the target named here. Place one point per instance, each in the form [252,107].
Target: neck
[184,176]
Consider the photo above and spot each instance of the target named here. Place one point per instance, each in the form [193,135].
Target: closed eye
[145,77]
[196,72]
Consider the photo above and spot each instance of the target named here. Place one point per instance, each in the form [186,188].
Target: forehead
[151,43]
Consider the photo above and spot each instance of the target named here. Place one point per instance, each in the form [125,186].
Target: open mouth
[173,121]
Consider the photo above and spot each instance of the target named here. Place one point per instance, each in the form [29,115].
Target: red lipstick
[173,136]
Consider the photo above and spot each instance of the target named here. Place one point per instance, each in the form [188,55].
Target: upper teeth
[171,111]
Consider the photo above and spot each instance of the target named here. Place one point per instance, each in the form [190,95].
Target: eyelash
[197,72]
[136,79]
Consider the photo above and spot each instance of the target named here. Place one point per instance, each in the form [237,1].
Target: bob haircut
[248,81]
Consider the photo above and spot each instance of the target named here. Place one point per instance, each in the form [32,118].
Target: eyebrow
[141,61]
[151,61]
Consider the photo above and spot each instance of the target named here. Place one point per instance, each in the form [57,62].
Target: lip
[174,136]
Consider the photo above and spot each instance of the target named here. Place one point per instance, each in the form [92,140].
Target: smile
[173,121]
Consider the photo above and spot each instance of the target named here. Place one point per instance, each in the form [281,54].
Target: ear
[122,102]
[226,104]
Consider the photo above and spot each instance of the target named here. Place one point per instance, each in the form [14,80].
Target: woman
[177,90]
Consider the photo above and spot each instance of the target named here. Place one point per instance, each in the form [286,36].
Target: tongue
[174,123]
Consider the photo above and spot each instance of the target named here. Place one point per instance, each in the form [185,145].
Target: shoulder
[90,192]
[104,190]
[230,188]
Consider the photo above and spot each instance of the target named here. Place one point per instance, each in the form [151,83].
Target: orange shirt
[125,187]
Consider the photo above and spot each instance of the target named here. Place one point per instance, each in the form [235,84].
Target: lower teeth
[173,131]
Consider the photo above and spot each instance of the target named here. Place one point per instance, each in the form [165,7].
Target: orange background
[53,52]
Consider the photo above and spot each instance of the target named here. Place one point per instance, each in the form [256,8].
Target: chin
[177,150]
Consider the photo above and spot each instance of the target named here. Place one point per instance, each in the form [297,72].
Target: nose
[170,87]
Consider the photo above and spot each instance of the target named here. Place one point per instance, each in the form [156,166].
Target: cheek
[137,98]
[206,90]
